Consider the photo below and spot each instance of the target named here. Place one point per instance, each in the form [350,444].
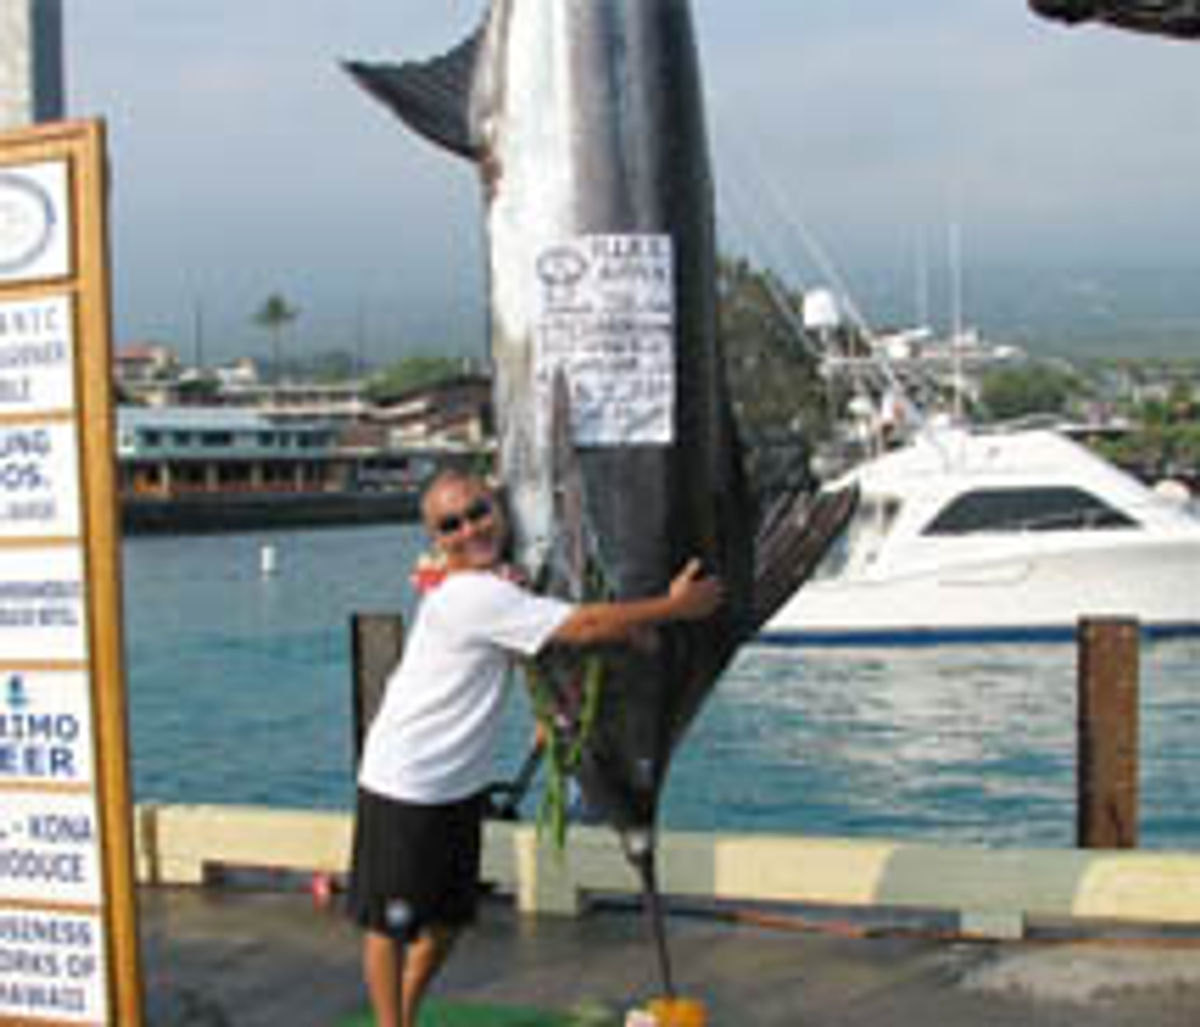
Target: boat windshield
[1026,509]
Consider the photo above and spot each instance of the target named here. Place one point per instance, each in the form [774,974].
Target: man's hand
[694,596]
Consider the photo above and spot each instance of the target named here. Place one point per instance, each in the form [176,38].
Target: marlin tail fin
[431,98]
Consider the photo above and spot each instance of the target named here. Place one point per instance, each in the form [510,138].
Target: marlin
[617,446]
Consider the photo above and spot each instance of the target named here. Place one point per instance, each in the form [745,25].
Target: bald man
[427,757]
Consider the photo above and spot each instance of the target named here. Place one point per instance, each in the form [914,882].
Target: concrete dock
[232,957]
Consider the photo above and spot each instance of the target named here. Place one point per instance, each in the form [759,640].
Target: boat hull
[918,635]
[997,536]
[1033,597]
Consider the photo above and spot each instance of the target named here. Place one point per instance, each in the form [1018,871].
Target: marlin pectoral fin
[570,554]
[792,542]
[432,98]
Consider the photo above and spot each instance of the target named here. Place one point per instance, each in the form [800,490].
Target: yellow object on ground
[678,1012]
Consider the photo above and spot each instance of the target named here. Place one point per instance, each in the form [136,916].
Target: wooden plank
[1107,776]
[376,643]
[1001,885]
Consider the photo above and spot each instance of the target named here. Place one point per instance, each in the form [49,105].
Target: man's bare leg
[423,959]
[384,962]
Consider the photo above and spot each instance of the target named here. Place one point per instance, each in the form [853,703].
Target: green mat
[444,1013]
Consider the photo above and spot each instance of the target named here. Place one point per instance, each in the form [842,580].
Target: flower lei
[428,572]
[565,716]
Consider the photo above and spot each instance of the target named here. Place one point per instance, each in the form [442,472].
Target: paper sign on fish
[617,446]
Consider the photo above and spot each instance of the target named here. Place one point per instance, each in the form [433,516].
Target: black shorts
[414,865]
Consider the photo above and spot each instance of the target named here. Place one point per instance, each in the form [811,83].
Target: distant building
[184,431]
[454,414]
[328,401]
[31,62]
[173,451]
[147,373]
[242,372]
[144,362]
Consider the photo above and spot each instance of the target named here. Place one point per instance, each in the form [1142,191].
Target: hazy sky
[246,163]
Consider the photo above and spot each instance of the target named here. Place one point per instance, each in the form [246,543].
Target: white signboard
[37,370]
[605,311]
[49,848]
[45,728]
[42,604]
[35,230]
[39,481]
[52,967]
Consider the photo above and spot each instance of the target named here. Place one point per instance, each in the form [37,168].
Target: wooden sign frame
[54,267]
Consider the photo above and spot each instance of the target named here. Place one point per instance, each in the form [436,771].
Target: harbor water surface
[241,691]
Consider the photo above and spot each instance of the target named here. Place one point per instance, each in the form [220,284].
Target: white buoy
[267,560]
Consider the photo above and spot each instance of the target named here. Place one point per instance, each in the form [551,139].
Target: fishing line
[872,376]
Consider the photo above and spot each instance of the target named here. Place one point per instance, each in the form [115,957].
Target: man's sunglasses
[478,511]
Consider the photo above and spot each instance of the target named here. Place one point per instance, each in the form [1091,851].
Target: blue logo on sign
[26,222]
[15,695]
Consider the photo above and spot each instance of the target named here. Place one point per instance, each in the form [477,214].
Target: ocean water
[240,692]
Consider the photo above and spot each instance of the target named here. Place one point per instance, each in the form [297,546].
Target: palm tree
[275,315]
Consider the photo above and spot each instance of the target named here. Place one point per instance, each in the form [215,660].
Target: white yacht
[974,535]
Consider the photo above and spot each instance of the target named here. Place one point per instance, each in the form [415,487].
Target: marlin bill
[617,447]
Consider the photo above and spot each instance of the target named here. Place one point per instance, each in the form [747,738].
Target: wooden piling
[1107,768]
[377,640]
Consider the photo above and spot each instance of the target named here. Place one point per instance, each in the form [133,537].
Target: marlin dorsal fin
[432,98]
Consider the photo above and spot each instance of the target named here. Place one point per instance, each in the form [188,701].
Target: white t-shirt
[434,736]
